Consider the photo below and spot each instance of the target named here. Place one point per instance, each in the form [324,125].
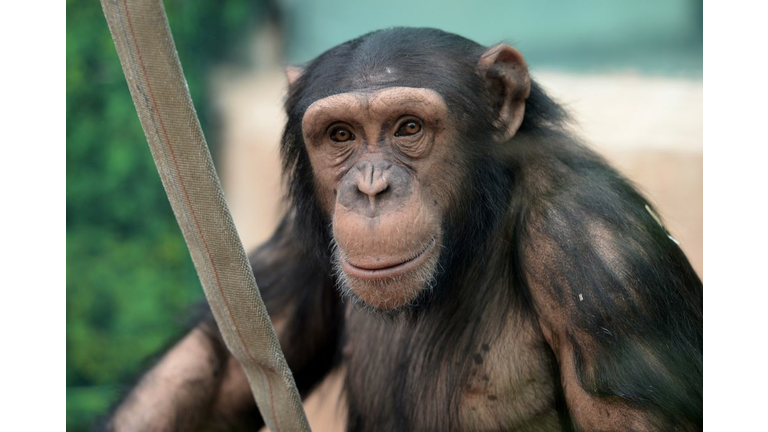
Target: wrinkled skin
[379,185]
[385,181]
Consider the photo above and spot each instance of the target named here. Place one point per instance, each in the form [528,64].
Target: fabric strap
[151,65]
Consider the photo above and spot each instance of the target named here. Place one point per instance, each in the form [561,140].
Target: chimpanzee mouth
[388,269]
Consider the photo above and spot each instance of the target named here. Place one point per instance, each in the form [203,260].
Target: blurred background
[629,72]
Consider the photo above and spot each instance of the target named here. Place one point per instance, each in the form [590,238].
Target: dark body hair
[542,199]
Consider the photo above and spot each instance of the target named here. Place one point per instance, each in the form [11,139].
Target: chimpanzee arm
[199,384]
[617,301]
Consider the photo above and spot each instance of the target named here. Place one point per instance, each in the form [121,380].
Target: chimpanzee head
[390,155]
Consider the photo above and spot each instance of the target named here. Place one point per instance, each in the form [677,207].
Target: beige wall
[650,128]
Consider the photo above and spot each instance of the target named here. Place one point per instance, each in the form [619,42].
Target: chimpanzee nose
[374,186]
[372,178]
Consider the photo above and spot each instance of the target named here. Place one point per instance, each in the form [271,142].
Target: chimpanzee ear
[506,75]
[293,73]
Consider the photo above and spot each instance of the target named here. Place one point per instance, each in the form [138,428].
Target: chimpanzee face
[378,162]
[397,134]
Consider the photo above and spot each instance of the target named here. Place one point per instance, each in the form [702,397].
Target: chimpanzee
[462,258]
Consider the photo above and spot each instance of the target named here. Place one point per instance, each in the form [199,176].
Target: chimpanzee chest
[399,377]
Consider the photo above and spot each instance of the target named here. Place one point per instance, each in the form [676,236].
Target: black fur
[540,216]
[643,322]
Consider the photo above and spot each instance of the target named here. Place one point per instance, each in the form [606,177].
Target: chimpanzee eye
[408,128]
[341,134]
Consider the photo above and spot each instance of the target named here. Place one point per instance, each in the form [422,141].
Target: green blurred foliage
[130,281]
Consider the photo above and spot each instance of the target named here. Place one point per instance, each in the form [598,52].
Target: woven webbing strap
[151,65]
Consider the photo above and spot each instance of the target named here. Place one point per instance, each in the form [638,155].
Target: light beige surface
[650,128]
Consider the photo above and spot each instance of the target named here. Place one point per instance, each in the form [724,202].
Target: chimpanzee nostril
[372,185]
[372,178]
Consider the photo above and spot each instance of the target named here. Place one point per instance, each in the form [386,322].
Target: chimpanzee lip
[387,270]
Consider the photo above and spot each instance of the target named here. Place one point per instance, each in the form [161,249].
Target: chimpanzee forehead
[401,57]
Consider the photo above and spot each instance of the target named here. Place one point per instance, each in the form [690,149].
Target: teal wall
[656,36]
